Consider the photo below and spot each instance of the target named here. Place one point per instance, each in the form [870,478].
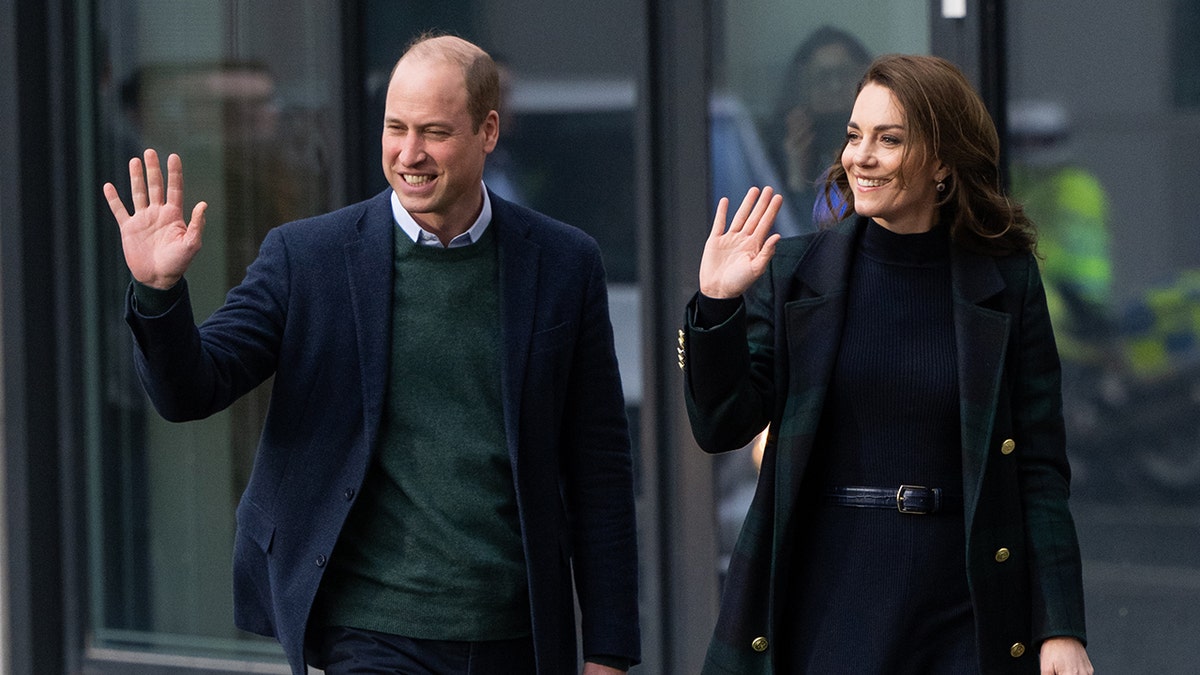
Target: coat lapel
[518,298]
[814,311]
[981,336]
[369,269]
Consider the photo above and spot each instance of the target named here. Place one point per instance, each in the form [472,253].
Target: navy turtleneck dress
[874,590]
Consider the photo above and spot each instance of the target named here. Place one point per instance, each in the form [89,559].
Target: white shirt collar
[423,237]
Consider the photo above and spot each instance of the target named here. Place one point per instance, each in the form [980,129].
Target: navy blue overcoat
[315,311]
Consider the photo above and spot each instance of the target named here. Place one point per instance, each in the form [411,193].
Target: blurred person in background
[808,126]
[1070,208]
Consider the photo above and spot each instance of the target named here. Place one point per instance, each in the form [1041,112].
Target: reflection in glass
[257,130]
[808,126]
[1104,137]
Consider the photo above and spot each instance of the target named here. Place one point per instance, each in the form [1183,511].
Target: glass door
[249,94]
[1104,137]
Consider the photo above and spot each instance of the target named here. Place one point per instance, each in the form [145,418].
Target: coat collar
[368,258]
[519,290]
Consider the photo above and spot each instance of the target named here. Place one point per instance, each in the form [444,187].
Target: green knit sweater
[432,549]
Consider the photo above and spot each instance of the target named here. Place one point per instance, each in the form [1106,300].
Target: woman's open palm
[735,257]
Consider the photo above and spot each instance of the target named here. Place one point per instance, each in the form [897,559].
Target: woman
[911,511]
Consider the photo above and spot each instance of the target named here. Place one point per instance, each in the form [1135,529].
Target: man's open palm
[158,245]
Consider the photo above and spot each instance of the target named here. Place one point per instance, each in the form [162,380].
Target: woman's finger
[739,218]
[760,206]
[764,212]
[718,226]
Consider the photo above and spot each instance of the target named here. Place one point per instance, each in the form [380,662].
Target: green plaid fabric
[771,363]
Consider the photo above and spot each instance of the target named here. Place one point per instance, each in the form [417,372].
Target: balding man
[446,462]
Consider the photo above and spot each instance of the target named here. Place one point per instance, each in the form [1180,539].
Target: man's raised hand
[158,245]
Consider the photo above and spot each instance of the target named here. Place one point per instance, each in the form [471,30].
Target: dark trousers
[352,651]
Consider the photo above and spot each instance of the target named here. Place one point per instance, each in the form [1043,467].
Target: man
[446,446]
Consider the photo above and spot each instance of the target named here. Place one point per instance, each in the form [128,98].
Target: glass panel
[1104,131]
[249,94]
[784,79]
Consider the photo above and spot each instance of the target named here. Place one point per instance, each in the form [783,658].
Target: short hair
[480,75]
[946,120]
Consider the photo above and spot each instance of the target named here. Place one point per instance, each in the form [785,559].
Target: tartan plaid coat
[771,363]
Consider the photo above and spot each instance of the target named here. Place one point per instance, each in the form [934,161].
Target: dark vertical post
[34,68]
[679,215]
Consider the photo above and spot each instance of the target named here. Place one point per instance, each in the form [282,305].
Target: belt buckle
[915,510]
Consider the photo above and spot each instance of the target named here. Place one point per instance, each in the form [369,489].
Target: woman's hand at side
[1064,656]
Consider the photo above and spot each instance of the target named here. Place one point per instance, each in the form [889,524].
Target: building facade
[629,119]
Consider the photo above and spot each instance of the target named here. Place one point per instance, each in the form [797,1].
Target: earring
[941,186]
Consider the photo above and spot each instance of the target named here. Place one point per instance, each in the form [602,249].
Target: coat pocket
[255,525]
[551,339]
[253,605]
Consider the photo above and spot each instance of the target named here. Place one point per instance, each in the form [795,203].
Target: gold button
[1017,650]
[759,644]
[1007,446]
[1003,554]
[682,339]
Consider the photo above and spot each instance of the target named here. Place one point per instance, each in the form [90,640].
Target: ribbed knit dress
[875,590]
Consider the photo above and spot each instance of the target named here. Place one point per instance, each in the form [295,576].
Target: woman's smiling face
[896,189]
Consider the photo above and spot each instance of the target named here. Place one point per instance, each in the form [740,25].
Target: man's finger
[115,204]
[137,184]
[175,181]
[195,229]
[154,177]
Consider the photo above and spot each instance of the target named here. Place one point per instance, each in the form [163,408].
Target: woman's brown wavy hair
[946,120]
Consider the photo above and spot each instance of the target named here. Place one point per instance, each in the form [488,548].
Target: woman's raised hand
[734,257]
[158,245]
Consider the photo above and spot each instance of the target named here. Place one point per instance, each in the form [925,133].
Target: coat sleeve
[1055,565]
[598,475]
[191,372]
[728,371]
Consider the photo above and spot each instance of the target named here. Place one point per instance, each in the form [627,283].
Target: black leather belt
[913,499]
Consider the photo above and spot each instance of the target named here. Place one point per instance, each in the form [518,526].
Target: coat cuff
[619,662]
